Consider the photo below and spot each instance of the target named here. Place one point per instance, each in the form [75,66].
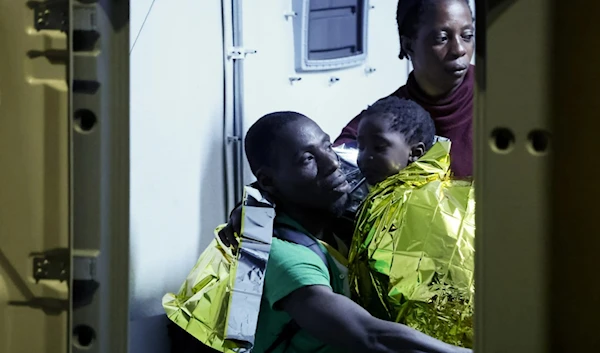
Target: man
[305,307]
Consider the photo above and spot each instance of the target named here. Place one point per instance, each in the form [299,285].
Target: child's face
[382,152]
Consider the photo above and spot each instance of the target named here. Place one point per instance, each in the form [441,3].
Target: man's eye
[307,159]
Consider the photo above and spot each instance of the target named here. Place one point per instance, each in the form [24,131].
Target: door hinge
[239,53]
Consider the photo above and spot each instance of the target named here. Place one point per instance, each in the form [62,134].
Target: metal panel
[513,179]
[344,17]
[575,111]
[100,174]
[34,180]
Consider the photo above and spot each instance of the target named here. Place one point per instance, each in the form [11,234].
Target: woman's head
[438,37]
[392,133]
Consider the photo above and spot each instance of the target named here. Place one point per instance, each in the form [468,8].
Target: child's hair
[406,117]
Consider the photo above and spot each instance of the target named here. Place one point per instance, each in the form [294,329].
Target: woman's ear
[416,151]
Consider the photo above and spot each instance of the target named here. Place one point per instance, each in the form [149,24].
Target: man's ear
[417,151]
[407,45]
[265,180]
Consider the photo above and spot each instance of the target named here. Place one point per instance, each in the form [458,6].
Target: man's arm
[339,322]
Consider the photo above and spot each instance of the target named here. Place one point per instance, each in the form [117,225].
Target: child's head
[392,133]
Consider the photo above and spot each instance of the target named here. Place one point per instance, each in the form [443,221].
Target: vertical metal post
[99,107]
[575,231]
[238,103]
[512,109]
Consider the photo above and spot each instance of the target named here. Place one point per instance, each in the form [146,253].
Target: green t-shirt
[290,267]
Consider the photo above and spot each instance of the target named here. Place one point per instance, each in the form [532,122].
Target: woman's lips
[458,70]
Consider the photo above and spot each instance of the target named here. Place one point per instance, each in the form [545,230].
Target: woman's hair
[409,16]
[406,117]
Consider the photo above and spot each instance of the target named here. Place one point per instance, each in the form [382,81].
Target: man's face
[305,171]
[382,152]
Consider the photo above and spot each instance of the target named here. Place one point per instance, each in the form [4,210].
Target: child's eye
[380,148]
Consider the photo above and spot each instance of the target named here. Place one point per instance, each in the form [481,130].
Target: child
[412,253]
[392,133]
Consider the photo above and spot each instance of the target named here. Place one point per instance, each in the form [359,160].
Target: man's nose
[330,162]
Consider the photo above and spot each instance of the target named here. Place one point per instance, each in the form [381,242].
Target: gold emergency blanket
[412,257]
[220,300]
[201,305]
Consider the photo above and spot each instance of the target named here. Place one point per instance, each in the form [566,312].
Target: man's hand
[233,227]
[337,321]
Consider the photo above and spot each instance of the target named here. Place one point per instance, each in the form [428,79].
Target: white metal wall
[177,191]
[267,73]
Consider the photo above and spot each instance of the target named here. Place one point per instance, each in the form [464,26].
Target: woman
[437,36]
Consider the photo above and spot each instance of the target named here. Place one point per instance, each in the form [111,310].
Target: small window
[330,34]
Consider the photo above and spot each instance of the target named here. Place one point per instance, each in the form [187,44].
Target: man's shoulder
[291,267]
[291,253]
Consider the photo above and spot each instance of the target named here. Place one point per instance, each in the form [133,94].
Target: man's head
[392,133]
[293,161]
[438,37]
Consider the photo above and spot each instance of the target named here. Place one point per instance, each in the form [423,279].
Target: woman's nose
[458,48]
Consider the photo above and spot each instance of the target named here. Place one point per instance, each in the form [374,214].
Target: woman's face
[442,49]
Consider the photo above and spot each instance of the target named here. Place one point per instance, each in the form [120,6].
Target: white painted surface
[177,192]
[332,106]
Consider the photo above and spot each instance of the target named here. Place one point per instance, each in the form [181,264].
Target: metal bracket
[369,70]
[51,15]
[239,53]
[51,265]
[54,15]
[85,18]
[54,265]
[231,139]
[290,14]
